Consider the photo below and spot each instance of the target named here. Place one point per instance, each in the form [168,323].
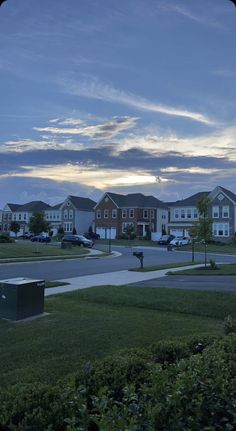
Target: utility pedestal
[21,298]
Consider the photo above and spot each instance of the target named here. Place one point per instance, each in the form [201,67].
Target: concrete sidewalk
[117,278]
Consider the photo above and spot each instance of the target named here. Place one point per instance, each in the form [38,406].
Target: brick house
[114,212]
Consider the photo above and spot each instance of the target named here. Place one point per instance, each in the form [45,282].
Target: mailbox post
[139,255]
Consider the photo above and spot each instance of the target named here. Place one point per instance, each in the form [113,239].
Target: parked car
[165,239]
[26,235]
[91,235]
[40,238]
[180,240]
[78,240]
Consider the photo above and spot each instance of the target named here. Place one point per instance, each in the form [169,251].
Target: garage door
[106,233]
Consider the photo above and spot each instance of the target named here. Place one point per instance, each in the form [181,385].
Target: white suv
[180,240]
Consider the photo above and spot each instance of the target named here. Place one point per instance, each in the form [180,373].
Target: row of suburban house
[110,216]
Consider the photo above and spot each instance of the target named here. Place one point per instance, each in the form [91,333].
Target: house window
[25,216]
[106,213]
[195,213]
[215,212]
[65,214]
[99,214]
[182,213]
[68,227]
[126,225]
[145,213]
[114,213]
[19,216]
[70,214]
[152,213]
[131,213]
[225,211]
[221,229]
[124,213]
[176,213]
[163,216]
[189,213]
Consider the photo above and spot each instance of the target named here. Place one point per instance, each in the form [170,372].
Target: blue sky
[129,96]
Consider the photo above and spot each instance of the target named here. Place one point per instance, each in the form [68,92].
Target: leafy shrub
[131,391]
[229,325]
[213,264]
[5,238]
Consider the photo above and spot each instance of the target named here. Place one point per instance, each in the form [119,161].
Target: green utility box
[21,298]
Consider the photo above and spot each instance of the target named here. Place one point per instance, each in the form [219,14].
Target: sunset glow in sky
[129,96]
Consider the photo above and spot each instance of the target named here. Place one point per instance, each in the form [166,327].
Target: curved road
[56,270]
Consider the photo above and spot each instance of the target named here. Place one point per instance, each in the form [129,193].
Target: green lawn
[23,251]
[222,269]
[92,323]
[211,248]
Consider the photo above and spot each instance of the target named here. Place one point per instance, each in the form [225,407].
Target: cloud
[96,90]
[89,176]
[67,121]
[107,130]
[190,170]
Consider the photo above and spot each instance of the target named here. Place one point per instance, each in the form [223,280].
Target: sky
[115,96]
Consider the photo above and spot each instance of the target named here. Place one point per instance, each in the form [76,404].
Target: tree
[74,231]
[202,229]
[15,227]
[38,224]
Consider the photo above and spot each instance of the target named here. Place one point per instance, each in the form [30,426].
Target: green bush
[131,391]
[229,325]
[5,238]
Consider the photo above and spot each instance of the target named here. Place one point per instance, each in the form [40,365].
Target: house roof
[56,207]
[190,201]
[13,207]
[33,206]
[137,200]
[230,194]
[84,204]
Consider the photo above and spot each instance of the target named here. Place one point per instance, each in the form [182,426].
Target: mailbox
[21,298]
[139,255]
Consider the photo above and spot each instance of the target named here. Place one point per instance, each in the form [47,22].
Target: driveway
[192,282]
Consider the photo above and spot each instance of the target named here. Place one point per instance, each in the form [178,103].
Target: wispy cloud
[107,130]
[96,90]
[197,17]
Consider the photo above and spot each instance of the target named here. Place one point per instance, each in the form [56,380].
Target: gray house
[222,210]
[21,214]
[77,213]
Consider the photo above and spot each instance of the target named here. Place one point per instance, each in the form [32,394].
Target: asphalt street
[210,283]
[61,269]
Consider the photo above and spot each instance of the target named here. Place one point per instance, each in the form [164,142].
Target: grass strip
[92,323]
[222,269]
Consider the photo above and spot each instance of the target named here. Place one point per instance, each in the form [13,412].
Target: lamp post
[193,249]
[109,240]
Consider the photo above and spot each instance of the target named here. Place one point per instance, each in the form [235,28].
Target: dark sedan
[77,240]
[40,238]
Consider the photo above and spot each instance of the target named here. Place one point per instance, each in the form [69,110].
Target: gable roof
[13,207]
[33,206]
[230,194]
[135,200]
[190,201]
[83,204]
